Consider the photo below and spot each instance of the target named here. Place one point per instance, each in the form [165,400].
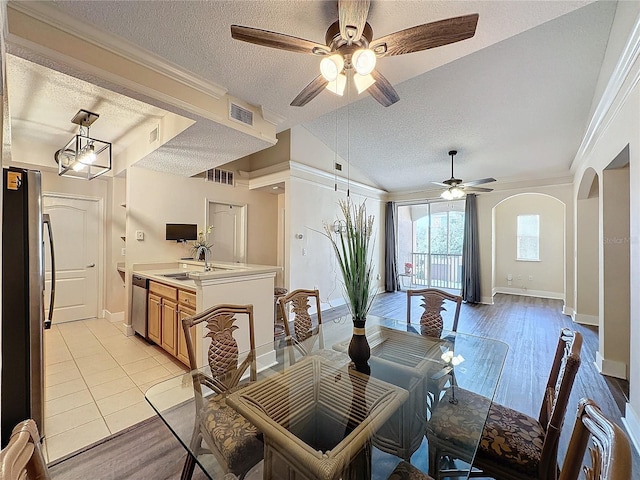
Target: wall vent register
[217,175]
[243,115]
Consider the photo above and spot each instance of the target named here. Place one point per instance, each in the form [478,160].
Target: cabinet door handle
[91,265]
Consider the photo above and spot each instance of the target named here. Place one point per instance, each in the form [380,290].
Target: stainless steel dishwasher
[140,287]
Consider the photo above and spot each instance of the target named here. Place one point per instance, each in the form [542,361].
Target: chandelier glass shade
[452,193]
[364,61]
[331,67]
[334,69]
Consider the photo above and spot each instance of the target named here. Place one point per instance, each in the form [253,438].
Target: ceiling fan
[456,188]
[350,49]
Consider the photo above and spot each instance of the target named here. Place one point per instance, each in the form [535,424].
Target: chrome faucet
[207,266]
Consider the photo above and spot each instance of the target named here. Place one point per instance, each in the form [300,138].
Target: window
[528,242]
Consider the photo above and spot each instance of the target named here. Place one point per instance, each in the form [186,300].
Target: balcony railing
[437,270]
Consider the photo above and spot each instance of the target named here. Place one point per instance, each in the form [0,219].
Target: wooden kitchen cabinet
[168,305]
[154,318]
[184,312]
[169,326]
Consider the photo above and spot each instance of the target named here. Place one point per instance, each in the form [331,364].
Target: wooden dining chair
[22,458]
[234,441]
[513,444]
[294,309]
[610,452]
[433,302]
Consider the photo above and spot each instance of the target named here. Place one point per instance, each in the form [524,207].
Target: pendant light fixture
[84,157]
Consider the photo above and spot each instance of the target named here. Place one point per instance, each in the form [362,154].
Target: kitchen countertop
[195,271]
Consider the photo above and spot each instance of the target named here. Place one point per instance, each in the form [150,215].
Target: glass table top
[320,418]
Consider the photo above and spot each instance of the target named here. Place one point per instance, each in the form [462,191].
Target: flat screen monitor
[182,231]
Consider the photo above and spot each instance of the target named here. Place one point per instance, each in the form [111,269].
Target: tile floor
[96,377]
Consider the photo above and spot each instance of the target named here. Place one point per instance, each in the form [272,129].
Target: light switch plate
[139,235]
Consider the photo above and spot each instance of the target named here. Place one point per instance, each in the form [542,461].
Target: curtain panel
[391,283]
[471,252]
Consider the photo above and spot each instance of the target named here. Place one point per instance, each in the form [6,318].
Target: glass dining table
[320,418]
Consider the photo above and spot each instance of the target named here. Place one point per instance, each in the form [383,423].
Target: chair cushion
[510,439]
[406,471]
[238,440]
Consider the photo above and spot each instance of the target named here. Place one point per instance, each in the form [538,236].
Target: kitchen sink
[177,276]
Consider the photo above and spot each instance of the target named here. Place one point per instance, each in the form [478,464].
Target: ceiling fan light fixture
[363,82]
[331,66]
[338,85]
[446,195]
[364,61]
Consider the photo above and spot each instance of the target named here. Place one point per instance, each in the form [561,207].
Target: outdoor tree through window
[528,238]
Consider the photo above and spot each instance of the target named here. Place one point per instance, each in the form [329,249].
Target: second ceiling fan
[456,188]
[350,49]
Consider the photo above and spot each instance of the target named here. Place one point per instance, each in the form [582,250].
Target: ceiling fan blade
[440,184]
[310,92]
[382,90]
[352,16]
[429,35]
[281,41]
[477,189]
[478,182]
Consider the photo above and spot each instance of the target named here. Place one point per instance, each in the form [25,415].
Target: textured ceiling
[514,99]
[196,36]
[43,102]
[200,147]
[515,109]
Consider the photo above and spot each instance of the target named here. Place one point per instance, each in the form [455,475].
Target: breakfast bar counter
[231,283]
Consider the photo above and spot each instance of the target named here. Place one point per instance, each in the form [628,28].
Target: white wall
[619,128]
[486,204]
[587,253]
[312,261]
[544,278]
[155,199]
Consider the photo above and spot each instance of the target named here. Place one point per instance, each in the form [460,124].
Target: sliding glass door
[430,239]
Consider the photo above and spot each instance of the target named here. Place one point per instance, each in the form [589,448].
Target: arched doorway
[540,271]
[612,357]
[587,271]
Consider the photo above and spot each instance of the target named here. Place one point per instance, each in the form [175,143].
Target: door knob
[91,265]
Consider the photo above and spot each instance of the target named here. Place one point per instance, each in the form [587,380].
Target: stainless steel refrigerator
[23,318]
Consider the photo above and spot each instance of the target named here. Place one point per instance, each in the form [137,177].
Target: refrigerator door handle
[47,222]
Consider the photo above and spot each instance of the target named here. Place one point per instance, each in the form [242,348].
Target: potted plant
[353,249]
[201,248]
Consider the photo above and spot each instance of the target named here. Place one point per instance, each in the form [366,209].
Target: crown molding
[299,170]
[270,116]
[623,80]
[46,12]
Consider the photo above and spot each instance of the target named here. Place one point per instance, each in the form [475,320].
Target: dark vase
[359,351]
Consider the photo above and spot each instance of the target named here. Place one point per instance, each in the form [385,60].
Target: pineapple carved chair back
[294,308]
[233,440]
[433,302]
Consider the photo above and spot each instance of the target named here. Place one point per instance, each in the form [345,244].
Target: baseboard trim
[584,319]
[568,311]
[530,293]
[611,368]
[113,317]
[487,300]
[632,425]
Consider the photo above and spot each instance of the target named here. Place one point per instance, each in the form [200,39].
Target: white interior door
[229,232]
[75,224]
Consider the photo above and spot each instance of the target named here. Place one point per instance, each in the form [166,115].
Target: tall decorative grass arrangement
[352,246]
